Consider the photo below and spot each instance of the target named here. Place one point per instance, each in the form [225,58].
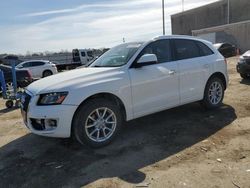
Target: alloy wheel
[100,124]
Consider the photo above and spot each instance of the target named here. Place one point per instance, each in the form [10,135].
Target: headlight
[52,98]
[242,61]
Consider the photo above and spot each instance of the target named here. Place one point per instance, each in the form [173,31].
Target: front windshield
[117,56]
[19,65]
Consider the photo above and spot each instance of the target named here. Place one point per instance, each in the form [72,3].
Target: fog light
[39,121]
[43,124]
[51,122]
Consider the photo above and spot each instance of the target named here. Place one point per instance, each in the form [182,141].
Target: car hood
[73,79]
[246,55]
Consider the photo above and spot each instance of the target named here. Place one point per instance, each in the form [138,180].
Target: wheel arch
[105,95]
[221,76]
[48,71]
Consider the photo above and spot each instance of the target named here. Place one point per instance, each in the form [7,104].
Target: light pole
[163,17]
[228,11]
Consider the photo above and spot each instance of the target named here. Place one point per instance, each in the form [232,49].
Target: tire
[214,93]
[47,73]
[245,76]
[87,131]
[9,104]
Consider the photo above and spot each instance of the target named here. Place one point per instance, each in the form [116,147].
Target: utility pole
[163,17]
[228,11]
[182,5]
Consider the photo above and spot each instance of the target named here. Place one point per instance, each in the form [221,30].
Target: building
[217,22]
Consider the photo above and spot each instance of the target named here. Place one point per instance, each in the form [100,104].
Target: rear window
[186,49]
[204,49]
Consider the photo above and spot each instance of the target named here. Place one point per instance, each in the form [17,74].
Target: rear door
[38,67]
[155,87]
[194,67]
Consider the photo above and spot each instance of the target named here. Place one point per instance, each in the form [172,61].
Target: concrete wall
[237,34]
[211,15]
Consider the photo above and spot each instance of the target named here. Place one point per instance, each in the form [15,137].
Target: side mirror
[146,59]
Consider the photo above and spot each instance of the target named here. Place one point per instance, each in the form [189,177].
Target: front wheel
[47,73]
[214,93]
[245,76]
[97,122]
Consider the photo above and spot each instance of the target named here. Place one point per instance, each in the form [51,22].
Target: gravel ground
[182,147]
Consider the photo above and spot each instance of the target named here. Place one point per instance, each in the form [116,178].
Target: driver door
[155,87]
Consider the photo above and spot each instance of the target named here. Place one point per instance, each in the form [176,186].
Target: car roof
[176,37]
[45,61]
[181,37]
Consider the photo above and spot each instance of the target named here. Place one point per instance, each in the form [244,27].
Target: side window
[160,48]
[204,49]
[33,64]
[38,63]
[186,49]
[28,64]
[83,54]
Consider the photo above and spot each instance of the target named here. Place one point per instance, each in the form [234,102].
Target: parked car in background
[39,68]
[243,66]
[9,59]
[129,81]
[226,49]
[23,76]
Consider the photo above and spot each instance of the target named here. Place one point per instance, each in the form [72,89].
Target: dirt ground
[182,147]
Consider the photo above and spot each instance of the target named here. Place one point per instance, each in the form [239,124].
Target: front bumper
[243,68]
[62,114]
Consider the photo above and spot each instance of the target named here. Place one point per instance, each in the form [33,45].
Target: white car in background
[127,82]
[39,68]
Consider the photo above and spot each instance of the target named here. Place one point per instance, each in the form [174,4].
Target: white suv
[129,81]
[39,68]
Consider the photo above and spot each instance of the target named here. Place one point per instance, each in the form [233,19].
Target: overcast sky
[41,25]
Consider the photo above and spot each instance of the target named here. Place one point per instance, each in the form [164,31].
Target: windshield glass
[19,65]
[117,56]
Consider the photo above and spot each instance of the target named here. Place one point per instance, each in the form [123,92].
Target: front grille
[25,100]
[248,61]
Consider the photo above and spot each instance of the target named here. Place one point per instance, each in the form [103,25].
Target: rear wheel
[214,93]
[97,122]
[47,73]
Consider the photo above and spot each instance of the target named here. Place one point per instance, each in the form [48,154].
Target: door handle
[171,72]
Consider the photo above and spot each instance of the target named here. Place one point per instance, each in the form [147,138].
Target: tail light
[225,61]
[29,74]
